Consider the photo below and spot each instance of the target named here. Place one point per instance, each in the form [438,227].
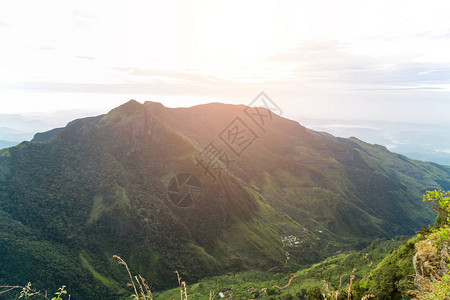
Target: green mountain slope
[333,272]
[98,187]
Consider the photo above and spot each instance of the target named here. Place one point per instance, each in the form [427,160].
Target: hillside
[333,272]
[274,195]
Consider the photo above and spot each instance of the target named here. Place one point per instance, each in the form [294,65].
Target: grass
[97,209]
[141,290]
[108,282]
[336,273]
[333,272]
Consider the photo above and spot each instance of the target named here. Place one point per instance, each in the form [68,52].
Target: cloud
[46,48]
[84,19]
[330,62]
[84,14]
[424,35]
[309,49]
[154,87]
[171,75]
[84,57]
[322,71]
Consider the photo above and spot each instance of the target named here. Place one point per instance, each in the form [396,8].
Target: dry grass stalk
[328,292]
[182,285]
[26,293]
[143,295]
[8,288]
[349,287]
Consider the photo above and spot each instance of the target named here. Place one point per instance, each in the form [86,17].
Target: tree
[440,203]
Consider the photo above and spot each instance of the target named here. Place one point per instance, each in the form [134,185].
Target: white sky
[373,60]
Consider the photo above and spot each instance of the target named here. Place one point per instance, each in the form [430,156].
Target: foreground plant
[27,292]
[182,286]
[61,291]
[144,291]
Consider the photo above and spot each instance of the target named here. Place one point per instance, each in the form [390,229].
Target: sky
[359,60]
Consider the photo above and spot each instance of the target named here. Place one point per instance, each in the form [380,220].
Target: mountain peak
[131,103]
[133,106]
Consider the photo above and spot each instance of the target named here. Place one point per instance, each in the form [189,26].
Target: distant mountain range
[202,190]
[15,128]
[6,144]
[420,141]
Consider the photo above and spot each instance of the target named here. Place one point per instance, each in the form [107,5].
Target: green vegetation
[398,275]
[440,203]
[364,274]
[333,274]
[74,197]
[27,292]
[393,278]
[327,277]
[432,251]
[108,282]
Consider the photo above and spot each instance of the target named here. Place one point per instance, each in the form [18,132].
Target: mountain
[203,190]
[19,123]
[6,144]
[13,135]
[16,128]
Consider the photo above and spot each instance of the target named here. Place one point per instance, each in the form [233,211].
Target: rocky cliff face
[431,262]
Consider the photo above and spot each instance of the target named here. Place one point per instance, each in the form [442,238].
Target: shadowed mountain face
[201,190]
